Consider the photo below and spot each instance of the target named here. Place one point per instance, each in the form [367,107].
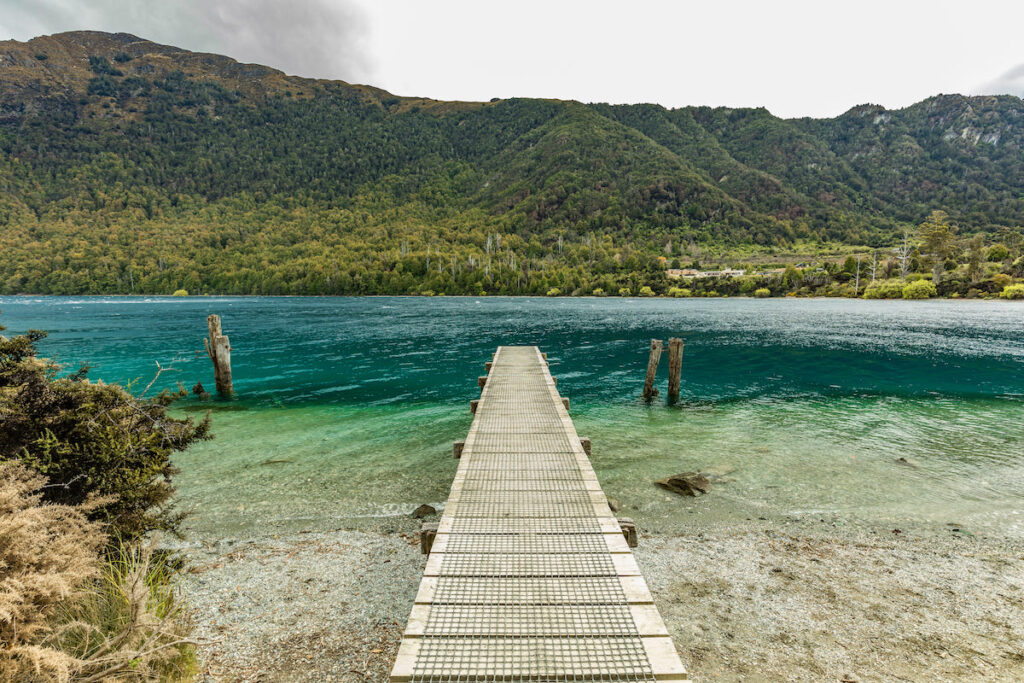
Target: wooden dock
[529,577]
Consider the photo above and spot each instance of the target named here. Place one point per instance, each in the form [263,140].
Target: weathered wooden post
[219,349]
[428,532]
[629,530]
[675,367]
[652,368]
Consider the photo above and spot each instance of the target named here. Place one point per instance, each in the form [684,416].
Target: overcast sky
[795,57]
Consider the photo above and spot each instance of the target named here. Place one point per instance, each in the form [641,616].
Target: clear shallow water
[347,407]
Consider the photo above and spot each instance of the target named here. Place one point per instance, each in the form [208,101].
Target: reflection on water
[347,407]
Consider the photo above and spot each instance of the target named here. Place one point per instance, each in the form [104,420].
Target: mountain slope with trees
[127,166]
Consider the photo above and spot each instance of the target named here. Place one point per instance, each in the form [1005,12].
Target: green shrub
[554,291]
[1013,292]
[762,292]
[646,291]
[884,289]
[624,291]
[597,292]
[998,252]
[1001,280]
[679,292]
[92,440]
[180,292]
[427,292]
[922,289]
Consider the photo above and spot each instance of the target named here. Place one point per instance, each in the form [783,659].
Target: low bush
[762,293]
[884,289]
[646,291]
[1000,281]
[92,440]
[921,289]
[1013,292]
[679,292]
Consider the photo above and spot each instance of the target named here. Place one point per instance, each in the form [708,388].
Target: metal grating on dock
[529,577]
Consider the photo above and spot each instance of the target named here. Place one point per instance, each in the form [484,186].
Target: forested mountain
[127,166]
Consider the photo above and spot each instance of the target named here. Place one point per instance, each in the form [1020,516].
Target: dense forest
[131,167]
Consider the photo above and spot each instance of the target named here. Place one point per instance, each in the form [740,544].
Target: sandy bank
[755,602]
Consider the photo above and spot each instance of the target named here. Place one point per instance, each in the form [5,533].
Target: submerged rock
[686,484]
[424,511]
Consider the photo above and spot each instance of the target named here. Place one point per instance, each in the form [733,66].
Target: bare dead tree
[856,281]
[160,369]
[873,268]
[903,251]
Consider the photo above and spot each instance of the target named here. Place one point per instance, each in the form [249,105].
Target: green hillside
[127,166]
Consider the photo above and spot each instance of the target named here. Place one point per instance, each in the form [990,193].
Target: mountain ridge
[114,129]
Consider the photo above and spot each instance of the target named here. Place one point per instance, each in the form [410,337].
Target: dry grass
[69,612]
[48,556]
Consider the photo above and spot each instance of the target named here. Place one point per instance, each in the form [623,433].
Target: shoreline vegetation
[85,489]
[932,261]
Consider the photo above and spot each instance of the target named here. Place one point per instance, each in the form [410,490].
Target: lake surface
[347,407]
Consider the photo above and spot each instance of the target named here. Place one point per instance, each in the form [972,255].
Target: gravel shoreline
[762,601]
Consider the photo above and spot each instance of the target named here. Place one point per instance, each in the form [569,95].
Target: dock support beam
[457,449]
[652,368]
[675,367]
[628,527]
[565,402]
[428,531]
[219,349]
[585,442]
[481,381]
[472,406]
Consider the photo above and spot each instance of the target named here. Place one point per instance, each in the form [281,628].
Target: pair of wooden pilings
[675,368]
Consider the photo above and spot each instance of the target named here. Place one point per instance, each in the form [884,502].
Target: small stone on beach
[424,511]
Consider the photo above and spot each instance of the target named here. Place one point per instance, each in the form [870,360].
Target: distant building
[728,272]
[676,273]
[691,274]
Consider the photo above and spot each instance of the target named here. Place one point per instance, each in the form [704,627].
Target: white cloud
[1010,83]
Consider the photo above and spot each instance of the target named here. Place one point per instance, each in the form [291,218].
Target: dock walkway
[529,577]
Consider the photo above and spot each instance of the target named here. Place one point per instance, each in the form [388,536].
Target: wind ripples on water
[347,407]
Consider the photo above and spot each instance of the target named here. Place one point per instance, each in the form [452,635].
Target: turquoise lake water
[347,407]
